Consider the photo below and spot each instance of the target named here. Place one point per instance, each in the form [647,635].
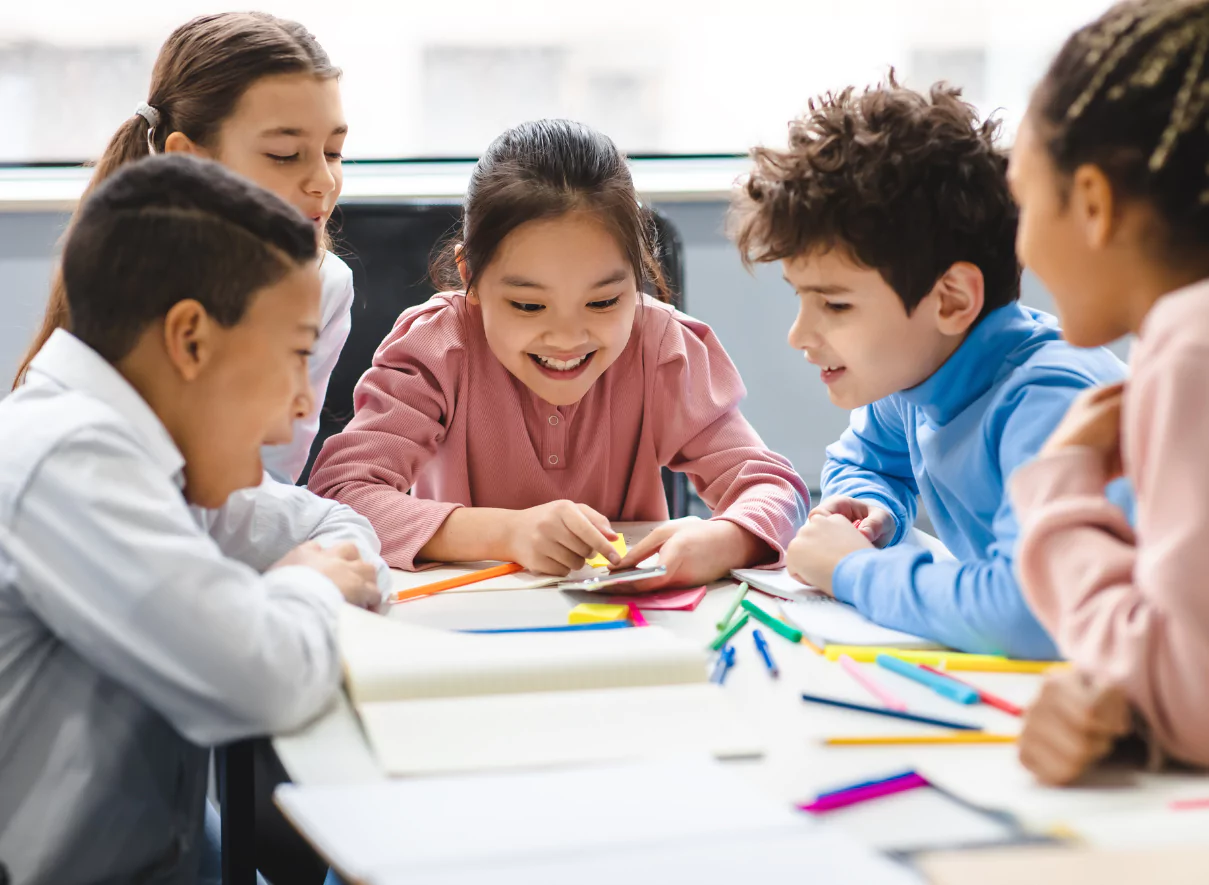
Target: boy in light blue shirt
[891,215]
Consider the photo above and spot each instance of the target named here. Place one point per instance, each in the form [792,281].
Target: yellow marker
[598,561]
[596,612]
[949,660]
[972,737]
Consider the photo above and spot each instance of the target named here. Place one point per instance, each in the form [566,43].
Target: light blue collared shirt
[136,631]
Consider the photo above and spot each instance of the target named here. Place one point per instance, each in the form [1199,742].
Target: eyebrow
[295,132]
[309,327]
[820,289]
[617,276]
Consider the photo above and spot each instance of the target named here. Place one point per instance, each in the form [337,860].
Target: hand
[558,537]
[875,523]
[696,552]
[1071,726]
[1094,421]
[356,579]
[819,547]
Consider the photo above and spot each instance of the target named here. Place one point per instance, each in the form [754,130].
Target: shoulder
[674,336]
[337,281]
[433,331]
[1177,327]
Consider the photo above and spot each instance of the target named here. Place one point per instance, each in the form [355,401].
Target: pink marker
[854,670]
[1189,804]
[636,617]
[863,794]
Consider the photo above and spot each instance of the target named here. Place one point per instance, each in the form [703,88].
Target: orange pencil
[496,571]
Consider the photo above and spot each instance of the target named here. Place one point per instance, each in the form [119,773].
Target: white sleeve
[286,462]
[260,525]
[113,562]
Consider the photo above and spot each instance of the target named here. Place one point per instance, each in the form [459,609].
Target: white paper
[828,622]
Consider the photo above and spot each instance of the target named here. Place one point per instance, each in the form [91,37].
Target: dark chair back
[388,247]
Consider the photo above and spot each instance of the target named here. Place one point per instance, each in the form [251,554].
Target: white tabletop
[796,764]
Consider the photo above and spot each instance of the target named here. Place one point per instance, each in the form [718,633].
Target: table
[796,764]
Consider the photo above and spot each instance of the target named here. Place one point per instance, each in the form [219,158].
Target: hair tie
[152,116]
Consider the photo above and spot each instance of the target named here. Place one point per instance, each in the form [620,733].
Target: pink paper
[665,600]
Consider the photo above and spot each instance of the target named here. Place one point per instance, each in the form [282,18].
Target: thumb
[648,545]
[877,526]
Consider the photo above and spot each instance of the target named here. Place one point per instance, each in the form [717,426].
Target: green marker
[734,606]
[726,637]
[774,624]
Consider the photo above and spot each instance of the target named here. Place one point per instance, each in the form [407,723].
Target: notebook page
[836,623]
[388,660]
[543,729]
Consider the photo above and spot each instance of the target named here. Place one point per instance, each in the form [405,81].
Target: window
[442,79]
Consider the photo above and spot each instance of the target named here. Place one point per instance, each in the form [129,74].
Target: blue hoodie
[954,440]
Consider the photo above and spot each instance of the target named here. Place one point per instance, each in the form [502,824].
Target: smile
[561,369]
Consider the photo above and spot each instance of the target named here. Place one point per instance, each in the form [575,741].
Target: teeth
[560,365]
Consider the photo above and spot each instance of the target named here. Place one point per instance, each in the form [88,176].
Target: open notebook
[432,701]
[670,820]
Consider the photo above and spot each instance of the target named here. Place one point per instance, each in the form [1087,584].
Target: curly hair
[1129,94]
[905,184]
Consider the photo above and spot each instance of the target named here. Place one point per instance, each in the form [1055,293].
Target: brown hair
[172,227]
[201,72]
[907,184]
[545,169]
[1129,93]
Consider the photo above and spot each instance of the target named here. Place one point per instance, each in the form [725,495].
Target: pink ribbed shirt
[438,414]
[1133,608]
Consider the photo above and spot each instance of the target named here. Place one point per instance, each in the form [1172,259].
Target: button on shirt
[136,631]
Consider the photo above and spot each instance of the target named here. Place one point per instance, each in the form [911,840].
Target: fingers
[841,505]
[652,543]
[345,550]
[585,530]
[600,521]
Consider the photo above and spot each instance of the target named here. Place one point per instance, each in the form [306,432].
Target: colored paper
[598,561]
[594,612]
[664,600]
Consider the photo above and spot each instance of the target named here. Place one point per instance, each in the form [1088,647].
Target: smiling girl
[530,408]
[259,95]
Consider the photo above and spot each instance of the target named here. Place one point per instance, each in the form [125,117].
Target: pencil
[496,571]
[969,737]
[986,697]
[893,714]
[734,606]
[728,634]
[950,660]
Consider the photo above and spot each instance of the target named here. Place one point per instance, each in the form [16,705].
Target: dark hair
[201,72]
[1127,93]
[545,169]
[170,228]
[907,184]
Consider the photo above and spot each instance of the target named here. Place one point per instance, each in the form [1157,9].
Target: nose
[803,334]
[566,333]
[304,404]
[320,180]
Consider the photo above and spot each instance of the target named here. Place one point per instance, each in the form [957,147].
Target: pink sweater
[1134,607]
[438,414]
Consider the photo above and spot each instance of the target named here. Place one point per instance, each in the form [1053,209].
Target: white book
[436,701]
[682,819]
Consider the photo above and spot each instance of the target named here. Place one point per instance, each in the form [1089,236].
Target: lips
[562,368]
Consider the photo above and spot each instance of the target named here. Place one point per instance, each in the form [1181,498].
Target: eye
[837,306]
[526,307]
[305,354]
[335,156]
[278,158]
[604,305]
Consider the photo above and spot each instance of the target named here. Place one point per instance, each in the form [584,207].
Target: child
[1109,171]
[530,409]
[891,216]
[258,94]
[148,609]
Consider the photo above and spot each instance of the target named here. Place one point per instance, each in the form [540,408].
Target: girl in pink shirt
[1109,169]
[531,408]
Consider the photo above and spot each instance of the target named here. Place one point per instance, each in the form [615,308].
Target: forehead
[292,301]
[574,244]
[291,101]
[826,267]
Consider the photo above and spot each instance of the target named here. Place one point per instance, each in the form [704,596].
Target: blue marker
[726,659]
[765,653]
[946,688]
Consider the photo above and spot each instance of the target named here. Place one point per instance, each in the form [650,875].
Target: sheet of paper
[636,822]
[917,819]
[1054,865]
[541,729]
[828,622]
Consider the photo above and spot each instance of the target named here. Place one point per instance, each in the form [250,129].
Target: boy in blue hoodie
[891,215]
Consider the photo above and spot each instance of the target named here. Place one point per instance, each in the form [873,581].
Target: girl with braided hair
[1111,172]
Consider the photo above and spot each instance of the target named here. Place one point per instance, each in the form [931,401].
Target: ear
[459,258]
[1093,205]
[179,143]
[960,296]
[189,338]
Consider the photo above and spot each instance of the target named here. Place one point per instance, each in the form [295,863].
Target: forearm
[471,534]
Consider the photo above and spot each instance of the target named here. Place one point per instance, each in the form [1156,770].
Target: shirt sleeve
[112,561]
[285,463]
[872,461]
[973,606]
[259,526]
[1129,606]
[701,432]
[403,405]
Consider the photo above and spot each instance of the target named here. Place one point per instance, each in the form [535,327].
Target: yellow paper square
[598,561]
[595,612]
